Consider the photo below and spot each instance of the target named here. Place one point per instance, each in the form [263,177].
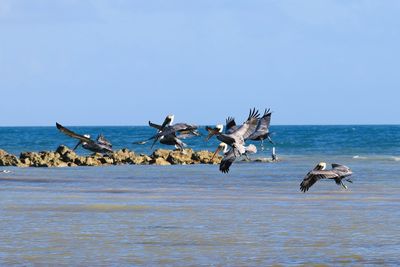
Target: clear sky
[122,62]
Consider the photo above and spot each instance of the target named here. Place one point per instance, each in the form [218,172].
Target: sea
[194,215]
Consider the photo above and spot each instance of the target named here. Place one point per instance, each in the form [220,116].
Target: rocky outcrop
[7,159]
[66,157]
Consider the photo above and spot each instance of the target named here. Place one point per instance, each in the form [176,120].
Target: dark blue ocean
[193,215]
[347,140]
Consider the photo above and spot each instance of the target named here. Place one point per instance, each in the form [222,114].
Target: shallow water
[196,216]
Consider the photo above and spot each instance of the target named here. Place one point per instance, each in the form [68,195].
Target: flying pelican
[262,131]
[236,138]
[168,122]
[211,131]
[231,126]
[170,134]
[337,173]
[230,155]
[101,145]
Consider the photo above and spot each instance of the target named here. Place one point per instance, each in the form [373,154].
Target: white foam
[359,157]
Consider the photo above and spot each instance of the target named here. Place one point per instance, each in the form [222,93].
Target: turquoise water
[196,216]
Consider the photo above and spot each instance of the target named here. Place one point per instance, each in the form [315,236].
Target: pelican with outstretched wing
[101,145]
[337,173]
[262,130]
[237,138]
[234,135]
[171,134]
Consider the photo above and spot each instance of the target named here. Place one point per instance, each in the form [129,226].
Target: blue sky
[125,62]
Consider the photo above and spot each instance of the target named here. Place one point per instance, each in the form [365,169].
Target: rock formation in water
[64,157]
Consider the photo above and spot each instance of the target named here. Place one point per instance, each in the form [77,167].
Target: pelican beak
[209,136]
[211,133]
[216,152]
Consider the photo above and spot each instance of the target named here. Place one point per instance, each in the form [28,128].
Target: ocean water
[196,216]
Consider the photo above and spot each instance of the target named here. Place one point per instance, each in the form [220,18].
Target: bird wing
[340,167]
[249,126]
[228,159]
[187,134]
[73,134]
[262,126]
[313,176]
[179,127]
[157,126]
[341,170]
[230,125]
[102,140]
[226,138]
[172,130]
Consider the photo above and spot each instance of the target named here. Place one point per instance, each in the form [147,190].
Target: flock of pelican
[233,143]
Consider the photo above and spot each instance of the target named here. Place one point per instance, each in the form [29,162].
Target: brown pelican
[236,138]
[230,155]
[169,134]
[168,122]
[337,173]
[262,131]
[101,145]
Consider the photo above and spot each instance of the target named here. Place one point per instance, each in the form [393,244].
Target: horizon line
[202,125]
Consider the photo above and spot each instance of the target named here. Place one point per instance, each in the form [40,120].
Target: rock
[106,160]
[64,157]
[160,153]
[69,156]
[91,162]
[80,161]
[142,160]
[62,150]
[205,156]
[123,156]
[160,161]
[180,157]
[34,159]
[26,161]
[7,159]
